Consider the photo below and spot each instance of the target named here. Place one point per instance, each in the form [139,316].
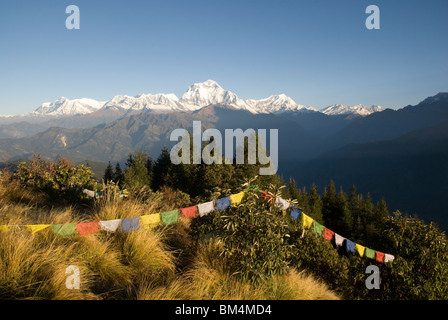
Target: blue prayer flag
[294,212]
[223,204]
[350,245]
[130,224]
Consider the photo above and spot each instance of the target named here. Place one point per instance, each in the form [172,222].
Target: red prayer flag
[266,196]
[84,228]
[328,234]
[379,257]
[190,212]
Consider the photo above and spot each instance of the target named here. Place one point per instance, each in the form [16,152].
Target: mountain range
[396,154]
[196,97]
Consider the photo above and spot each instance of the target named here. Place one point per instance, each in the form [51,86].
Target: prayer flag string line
[171,217]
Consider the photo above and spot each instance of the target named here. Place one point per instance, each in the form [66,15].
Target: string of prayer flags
[328,234]
[379,257]
[222,204]
[235,199]
[130,224]
[388,258]
[281,203]
[338,240]
[88,192]
[65,230]
[307,221]
[84,228]
[110,225]
[360,249]
[205,208]
[190,212]
[294,212]
[318,228]
[150,221]
[169,217]
[369,253]
[266,195]
[37,227]
[253,187]
[350,245]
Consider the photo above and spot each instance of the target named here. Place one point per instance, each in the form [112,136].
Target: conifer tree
[119,175]
[345,221]
[355,207]
[315,203]
[330,206]
[109,173]
[160,170]
[291,189]
[136,175]
[381,211]
[300,195]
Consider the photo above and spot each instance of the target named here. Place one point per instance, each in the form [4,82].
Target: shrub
[60,180]
[312,252]
[254,236]
[420,270]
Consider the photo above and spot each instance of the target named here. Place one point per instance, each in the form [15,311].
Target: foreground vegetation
[161,263]
[250,251]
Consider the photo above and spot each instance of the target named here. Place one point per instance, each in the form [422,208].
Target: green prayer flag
[318,228]
[253,187]
[65,230]
[369,253]
[169,217]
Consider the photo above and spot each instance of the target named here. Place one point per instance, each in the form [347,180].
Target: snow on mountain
[210,92]
[339,109]
[196,97]
[65,107]
[277,104]
[145,102]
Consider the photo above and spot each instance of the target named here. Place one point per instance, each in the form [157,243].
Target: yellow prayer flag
[150,221]
[235,199]
[37,227]
[4,228]
[307,221]
[360,249]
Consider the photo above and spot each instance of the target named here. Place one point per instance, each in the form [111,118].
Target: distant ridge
[197,96]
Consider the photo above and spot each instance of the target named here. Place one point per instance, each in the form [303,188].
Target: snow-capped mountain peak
[361,110]
[154,102]
[64,106]
[210,92]
[277,104]
[197,96]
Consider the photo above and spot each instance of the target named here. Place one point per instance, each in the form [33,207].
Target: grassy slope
[144,264]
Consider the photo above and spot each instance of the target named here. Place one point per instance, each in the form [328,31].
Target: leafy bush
[60,180]
[254,237]
[317,255]
[420,270]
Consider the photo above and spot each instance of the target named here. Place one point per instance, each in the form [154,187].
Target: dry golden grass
[134,265]
[209,279]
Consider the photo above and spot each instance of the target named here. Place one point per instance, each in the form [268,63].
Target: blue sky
[317,52]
